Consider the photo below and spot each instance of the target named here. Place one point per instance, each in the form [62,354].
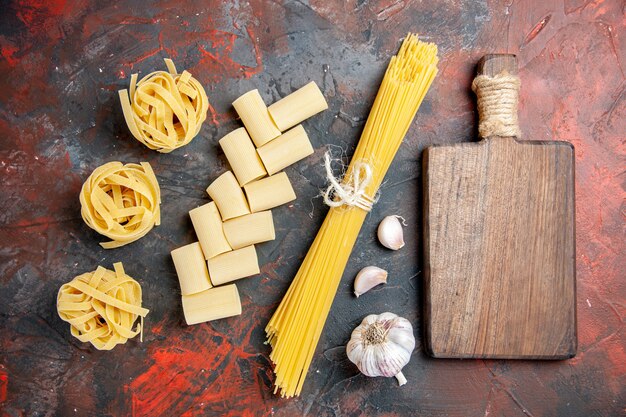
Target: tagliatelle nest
[164,110]
[102,306]
[121,202]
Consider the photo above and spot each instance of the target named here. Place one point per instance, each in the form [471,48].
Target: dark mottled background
[61,64]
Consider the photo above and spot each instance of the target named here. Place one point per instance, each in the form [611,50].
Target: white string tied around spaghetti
[349,193]
[497,104]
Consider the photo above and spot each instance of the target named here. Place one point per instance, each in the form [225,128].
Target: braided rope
[497,104]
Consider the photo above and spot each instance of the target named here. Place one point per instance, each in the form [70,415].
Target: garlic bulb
[368,278]
[390,232]
[381,345]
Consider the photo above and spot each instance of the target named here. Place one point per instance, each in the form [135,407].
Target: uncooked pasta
[164,110]
[121,202]
[102,306]
[295,328]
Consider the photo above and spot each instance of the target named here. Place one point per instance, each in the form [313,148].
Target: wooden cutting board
[499,245]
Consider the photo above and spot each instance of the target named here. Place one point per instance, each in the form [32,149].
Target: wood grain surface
[499,246]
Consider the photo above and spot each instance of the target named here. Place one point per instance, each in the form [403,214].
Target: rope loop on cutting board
[498,98]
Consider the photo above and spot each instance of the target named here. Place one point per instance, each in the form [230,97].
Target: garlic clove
[401,379]
[390,232]
[382,345]
[368,278]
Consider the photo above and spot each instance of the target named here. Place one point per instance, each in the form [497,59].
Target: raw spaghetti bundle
[121,202]
[101,307]
[165,110]
[295,328]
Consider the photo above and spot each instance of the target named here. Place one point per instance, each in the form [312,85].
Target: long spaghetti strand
[295,329]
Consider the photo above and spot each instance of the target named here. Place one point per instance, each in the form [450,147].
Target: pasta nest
[101,307]
[121,202]
[165,110]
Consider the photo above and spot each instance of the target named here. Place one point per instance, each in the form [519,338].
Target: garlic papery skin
[368,278]
[390,233]
[382,345]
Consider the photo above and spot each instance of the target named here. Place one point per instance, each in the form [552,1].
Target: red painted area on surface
[536,30]
[145,56]
[25,87]
[196,33]
[8,52]
[616,354]
[41,16]
[157,328]
[572,75]
[215,46]
[4,385]
[204,371]
[31,181]
[216,58]
[215,116]
[38,222]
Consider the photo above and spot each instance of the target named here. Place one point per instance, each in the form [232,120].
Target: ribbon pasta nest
[121,202]
[164,110]
[101,307]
